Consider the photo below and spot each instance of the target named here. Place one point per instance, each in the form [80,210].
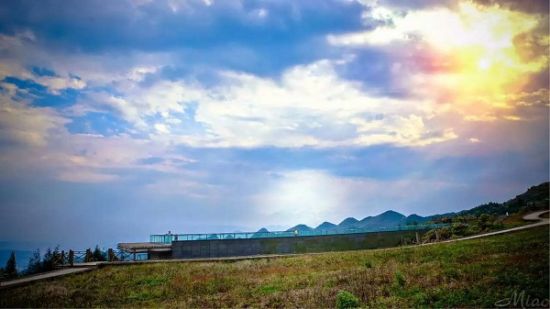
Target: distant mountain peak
[326,226]
[391,213]
[300,227]
[262,230]
[534,198]
[348,221]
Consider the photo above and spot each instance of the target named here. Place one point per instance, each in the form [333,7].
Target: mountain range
[535,198]
[386,219]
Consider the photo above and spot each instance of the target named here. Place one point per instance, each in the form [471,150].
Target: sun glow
[484,64]
[484,55]
[474,56]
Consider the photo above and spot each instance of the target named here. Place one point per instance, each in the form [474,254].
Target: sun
[485,62]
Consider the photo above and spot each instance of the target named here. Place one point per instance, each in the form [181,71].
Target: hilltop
[535,198]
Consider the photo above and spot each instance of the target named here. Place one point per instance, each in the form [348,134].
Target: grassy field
[462,274]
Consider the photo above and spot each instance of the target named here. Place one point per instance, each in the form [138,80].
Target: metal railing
[169,238]
[117,255]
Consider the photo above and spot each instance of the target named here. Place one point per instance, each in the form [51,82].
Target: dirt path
[46,275]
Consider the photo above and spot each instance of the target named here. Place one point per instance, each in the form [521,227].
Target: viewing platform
[182,246]
[169,238]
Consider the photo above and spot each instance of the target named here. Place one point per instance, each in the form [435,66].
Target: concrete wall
[287,245]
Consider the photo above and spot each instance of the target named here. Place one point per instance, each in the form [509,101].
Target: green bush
[345,299]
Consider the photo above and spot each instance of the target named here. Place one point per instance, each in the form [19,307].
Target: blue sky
[135,117]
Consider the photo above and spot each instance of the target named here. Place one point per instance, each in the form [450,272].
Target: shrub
[459,229]
[345,299]
[484,221]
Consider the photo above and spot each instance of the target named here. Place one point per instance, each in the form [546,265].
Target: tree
[48,262]
[35,265]
[63,257]
[111,255]
[11,267]
[483,221]
[98,254]
[88,257]
[56,257]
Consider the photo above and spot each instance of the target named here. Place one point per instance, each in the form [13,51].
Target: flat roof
[142,247]
[169,238]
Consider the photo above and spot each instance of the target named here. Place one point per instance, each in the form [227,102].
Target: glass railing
[169,238]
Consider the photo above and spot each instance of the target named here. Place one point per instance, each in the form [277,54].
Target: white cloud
[162,128]
[21,48]
[493,27]
[310,105]
[56,83]
[24,124]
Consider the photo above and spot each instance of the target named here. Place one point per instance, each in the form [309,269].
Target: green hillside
[473,273]
[535,198]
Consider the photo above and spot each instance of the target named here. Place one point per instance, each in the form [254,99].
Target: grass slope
[462,274]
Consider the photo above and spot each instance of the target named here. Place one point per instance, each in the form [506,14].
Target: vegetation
[345,299]
[50,261]
[472,273]
[53,259]
[535,198]
[491,216]
[10,271]
[461,226]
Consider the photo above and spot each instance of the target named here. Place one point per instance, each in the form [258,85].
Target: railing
[80,257]
[168,238]
[117,255]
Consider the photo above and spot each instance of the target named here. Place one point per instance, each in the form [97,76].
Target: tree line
[53,259]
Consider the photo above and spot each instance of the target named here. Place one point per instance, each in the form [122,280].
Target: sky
[135,117]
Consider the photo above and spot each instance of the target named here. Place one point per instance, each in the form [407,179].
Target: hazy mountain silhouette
[300,228]
[348,222]
[326,226]
[535,198]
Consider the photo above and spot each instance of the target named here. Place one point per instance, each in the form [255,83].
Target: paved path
[43,276]
[94,265]
[535,216]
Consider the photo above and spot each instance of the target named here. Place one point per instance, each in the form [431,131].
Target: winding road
[534,216]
